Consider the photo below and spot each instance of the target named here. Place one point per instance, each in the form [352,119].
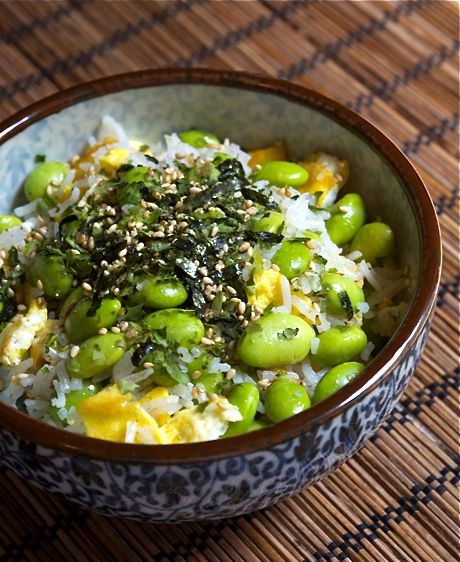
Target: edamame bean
[39,179]
[9,221]
[258,424]
[71,301]
[374,240]
[156,291]
[339,289]
[293,258]
[53,274]
[280,173]
[79,326]
[246,397]
[348,216]
[96,355]
[339,344]
[181,326]
[198,139]
[275,339]
[335,379]
[74,397]
[273,223]
[212,382]
[285,398]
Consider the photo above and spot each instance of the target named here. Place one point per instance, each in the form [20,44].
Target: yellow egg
[327,175]
[113,159]
[306,300]
[87,156]
[158,392]
[36,349]
[267,283]
[191,424]
[18,336]
[261,155]
[106,415]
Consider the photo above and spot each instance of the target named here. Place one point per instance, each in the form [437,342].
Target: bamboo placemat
[396,63]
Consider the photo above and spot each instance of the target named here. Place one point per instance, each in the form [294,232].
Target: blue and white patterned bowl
[173,483]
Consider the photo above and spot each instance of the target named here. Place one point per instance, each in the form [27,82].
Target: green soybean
[293,258]
[212,382]
[96,355]
[156,291]
[273,223]
[374,240]
[246,397]
[39,179]
[280,173]
[335,379]
[258,424]
[339,289]
[181,326]
[8,221]
[198,139]
[285,398]
[74,397]
[274,340]
[79,326]
[71,301]
[348,216]
[53,273]
[339,344]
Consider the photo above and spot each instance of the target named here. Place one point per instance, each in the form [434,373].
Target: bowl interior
[249,118]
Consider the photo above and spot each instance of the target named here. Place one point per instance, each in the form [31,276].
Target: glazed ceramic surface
[234,476]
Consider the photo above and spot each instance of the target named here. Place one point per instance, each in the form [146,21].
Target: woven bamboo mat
[396,63]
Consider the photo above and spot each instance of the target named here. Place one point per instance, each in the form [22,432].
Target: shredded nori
[346,304]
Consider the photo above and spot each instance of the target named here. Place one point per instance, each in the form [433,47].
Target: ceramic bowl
[172,483]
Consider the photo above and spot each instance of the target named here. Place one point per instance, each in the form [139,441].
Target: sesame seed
[203,271]
[207,281]
[74,351]
[22,307]
[244,323]
[39,237]
[102,331]
[196,374]
[244,246]
[115,329]
[112,228]
[140,246]
[252,211]
[194,190]
[312,244]
[231,290]
[240,317]
[158,234]
[344,209]
[207,341]
[10,292]
[275,267]
[2,254]
[106,273]
[230,374]
[74,251]
[87,287]
[91,243]
[131,334]
[124,326]
[241,307]
[122,253]
[39,284]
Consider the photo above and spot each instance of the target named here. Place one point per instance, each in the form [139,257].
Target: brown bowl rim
[418,315]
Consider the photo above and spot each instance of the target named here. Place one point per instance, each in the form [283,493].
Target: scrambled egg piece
[87,156]
[191,425]
[18,336]
[154,394]
[106,415]
[267,284]
[261,155]
[113,159]
[327,174]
